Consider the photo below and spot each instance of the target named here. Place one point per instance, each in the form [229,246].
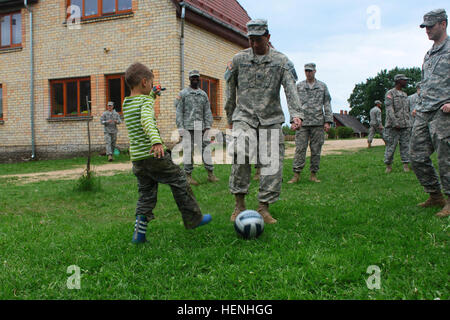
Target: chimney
[342,112]
[345,112]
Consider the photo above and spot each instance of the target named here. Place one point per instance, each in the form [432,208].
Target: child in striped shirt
[152,161]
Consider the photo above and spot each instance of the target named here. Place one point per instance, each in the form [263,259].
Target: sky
[349,41]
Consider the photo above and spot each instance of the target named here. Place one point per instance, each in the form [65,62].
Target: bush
[88,183]
[344,132]
[287,131]
[332,133]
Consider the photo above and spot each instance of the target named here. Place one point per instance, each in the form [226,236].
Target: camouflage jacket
[435,84]
[414,101]
[193,106]
[397,109]
[253,88]
[375,117]
[104,120]
[315,103]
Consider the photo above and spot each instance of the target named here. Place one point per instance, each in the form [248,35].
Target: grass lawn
[327,236]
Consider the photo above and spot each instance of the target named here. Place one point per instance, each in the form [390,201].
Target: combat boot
[263,210]
[313,177]
[445,212]
[212,177]
[369,145]
[295,179]
[388,168]
[191,180]
[435,200]
[257,174]
[239,207]
[406,167]
[110,158]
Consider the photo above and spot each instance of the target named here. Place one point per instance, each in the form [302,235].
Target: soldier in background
[431,131]
[110,119]
[376,124]
[193,107]
[252,106]
[398,123]
[414,101]
[315,102]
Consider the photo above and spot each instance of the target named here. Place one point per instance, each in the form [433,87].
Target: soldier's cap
[433,17]
[257,27]
[418,85]
[310,66]
[110,103]
[194,73]
[378,102]
[400,77]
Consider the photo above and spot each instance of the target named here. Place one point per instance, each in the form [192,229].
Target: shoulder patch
[389,96]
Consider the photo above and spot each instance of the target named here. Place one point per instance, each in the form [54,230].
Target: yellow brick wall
[151,36]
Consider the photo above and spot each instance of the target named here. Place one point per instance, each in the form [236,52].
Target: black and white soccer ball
[249,224]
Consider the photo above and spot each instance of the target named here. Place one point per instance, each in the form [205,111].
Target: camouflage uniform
[252,104]
[375,123]
[431,130]
[315,104]
[193,107]
[110,129]
[398,123]
[414,101]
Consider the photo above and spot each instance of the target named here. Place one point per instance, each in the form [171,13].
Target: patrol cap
[310,66]
[194,73]
[378,102]
[257,27]
[433,17]
[400,76]
[111,103]
[418,85]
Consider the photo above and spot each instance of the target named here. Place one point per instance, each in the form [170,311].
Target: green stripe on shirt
[141,125]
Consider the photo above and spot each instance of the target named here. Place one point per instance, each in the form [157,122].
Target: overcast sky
[349,41]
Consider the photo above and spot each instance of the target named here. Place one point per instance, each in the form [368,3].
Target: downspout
[183,15]
[33,146]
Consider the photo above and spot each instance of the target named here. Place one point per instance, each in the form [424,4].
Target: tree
[364,94]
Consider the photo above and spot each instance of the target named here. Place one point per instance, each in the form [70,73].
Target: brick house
[72,58]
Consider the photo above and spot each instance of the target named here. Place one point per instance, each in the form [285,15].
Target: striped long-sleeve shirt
[141,125]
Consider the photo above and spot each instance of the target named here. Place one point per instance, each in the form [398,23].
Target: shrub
[287,131]
[344,132]
[332,133]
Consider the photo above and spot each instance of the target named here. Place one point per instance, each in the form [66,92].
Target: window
[68,97]
[1,102]
[210,85]
[98,8]
[10,30]
[116,90]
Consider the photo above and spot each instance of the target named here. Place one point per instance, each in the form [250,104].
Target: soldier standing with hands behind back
[431,131]
[376,123]
[315,102]
[253,107]
[110,119]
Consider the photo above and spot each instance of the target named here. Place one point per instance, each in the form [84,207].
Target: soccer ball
[249,224]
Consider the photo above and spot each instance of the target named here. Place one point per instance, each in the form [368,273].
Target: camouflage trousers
[392,137]
[149,172]
[271,170]
[372,131]
[188,144]
[431,133]
[313,135]
[110,142]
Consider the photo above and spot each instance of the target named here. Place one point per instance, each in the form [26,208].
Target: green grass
[327,236]
[59,164]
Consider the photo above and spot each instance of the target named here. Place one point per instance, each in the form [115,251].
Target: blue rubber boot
[140,229]
[206,219]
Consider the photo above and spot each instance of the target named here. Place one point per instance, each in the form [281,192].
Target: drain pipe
[33,145]
[183,16]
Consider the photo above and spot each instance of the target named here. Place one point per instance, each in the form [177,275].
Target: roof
[350,121]
[14,3]
[227,11]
